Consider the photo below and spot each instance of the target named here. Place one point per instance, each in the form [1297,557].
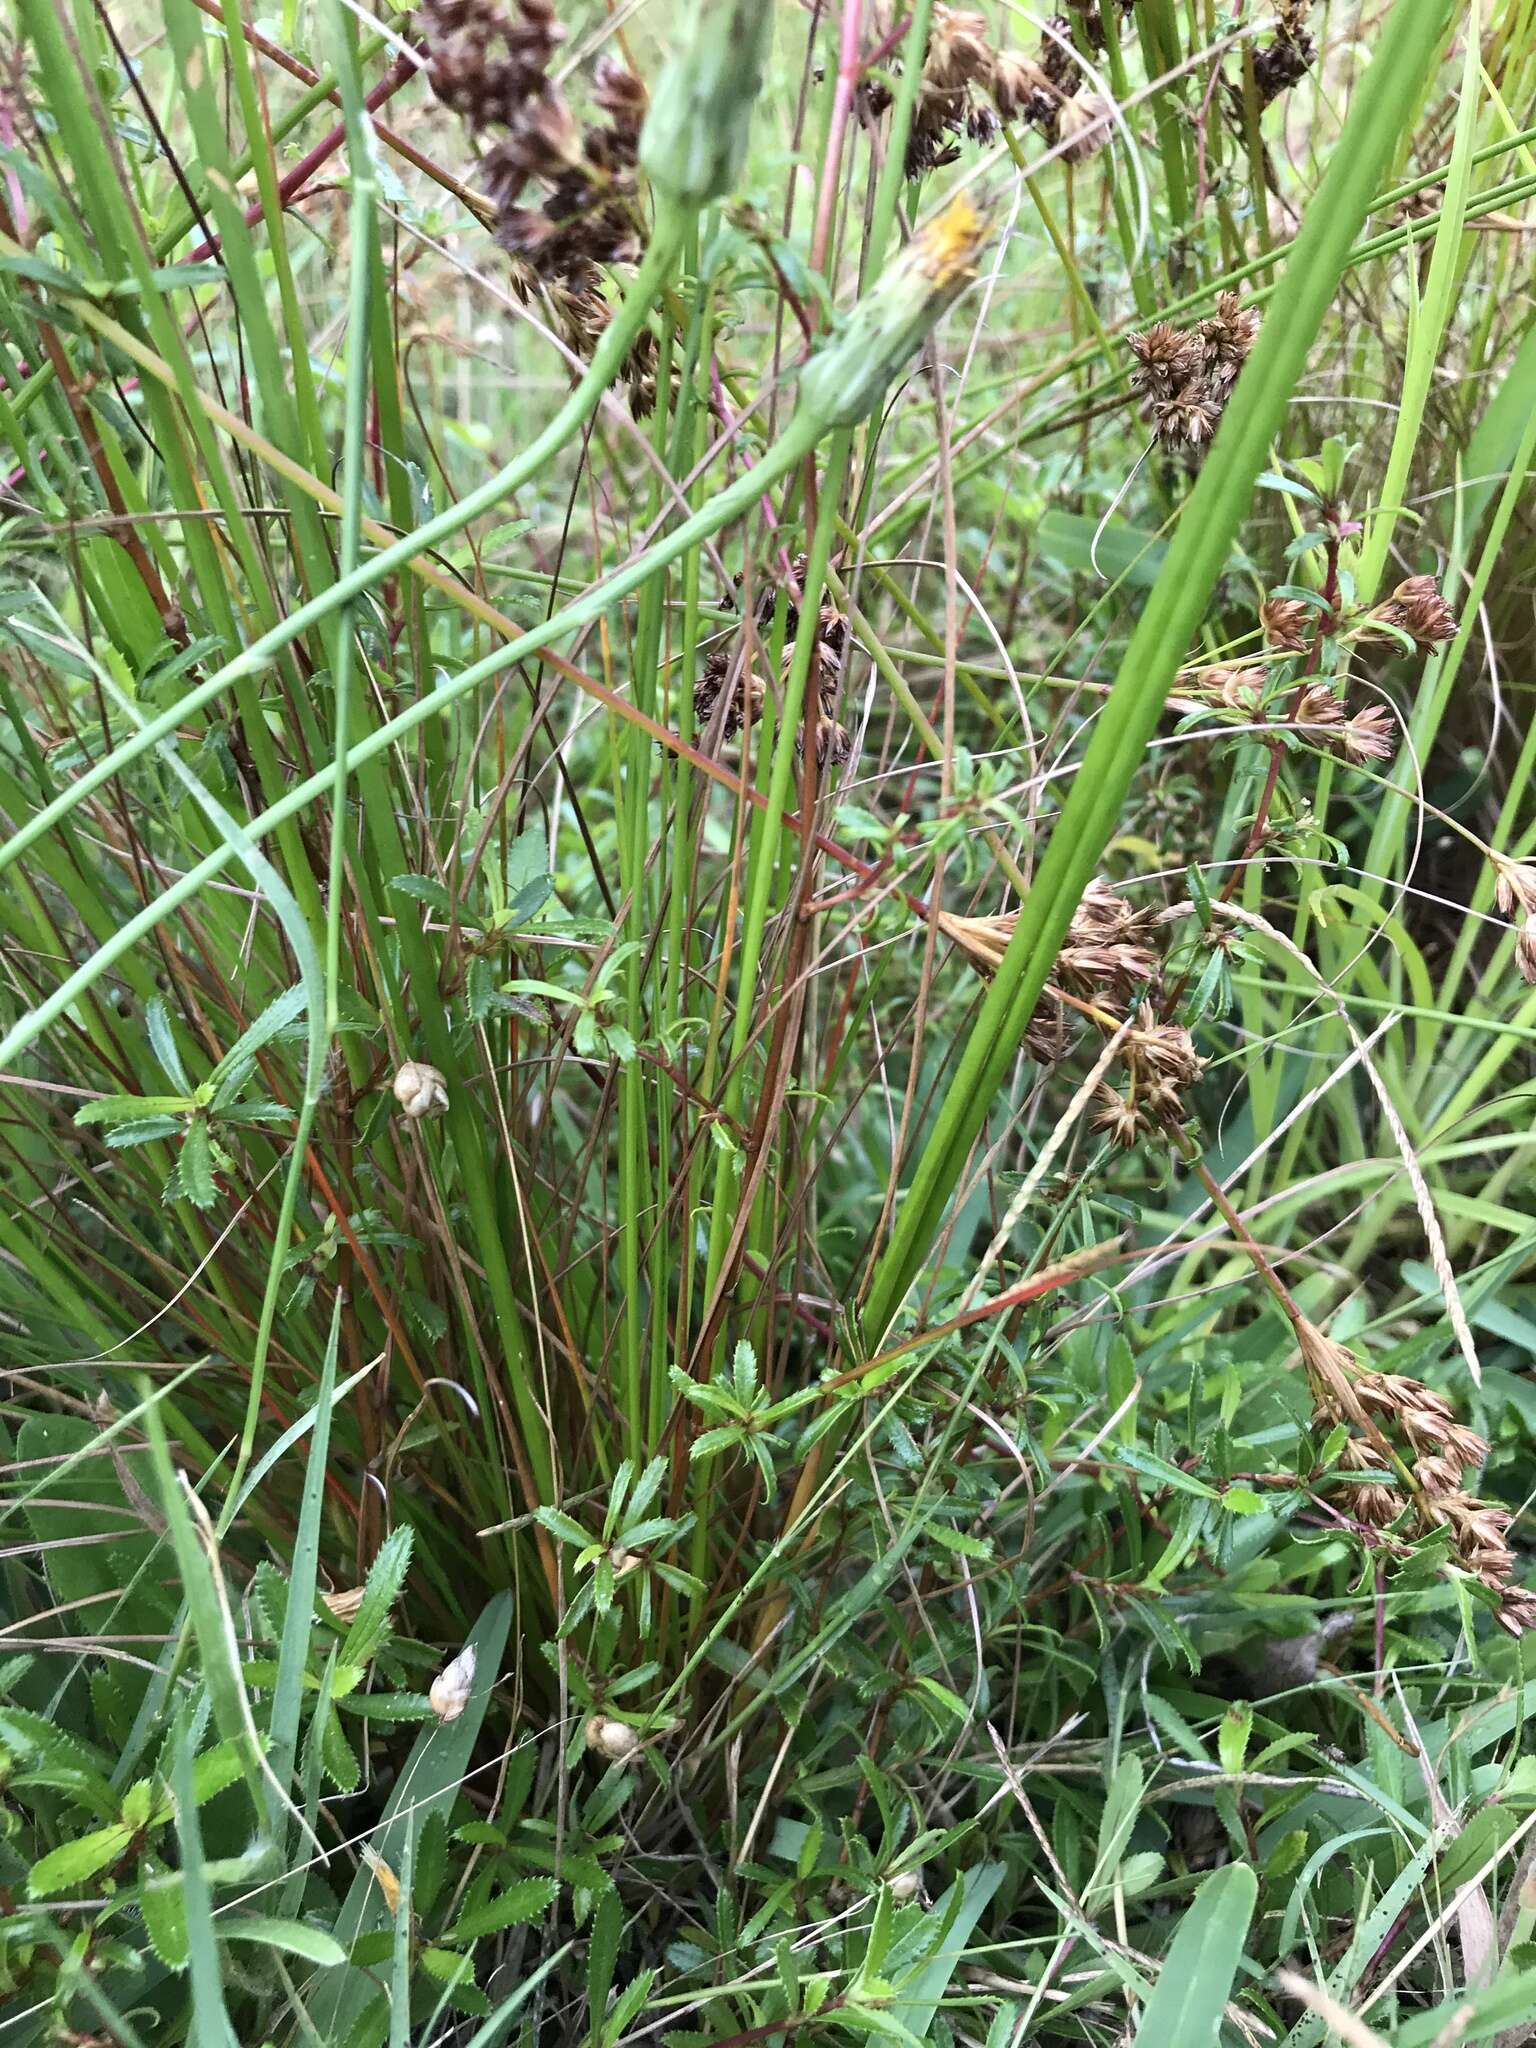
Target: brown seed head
[1186,421]
[1056,58]
[1082,126]
[958,51]
[1279,64]
[1514,883]
[1417,609]
[1234,689]
[1020,88]
[1517,1610]
[1116,1117]
[1368,735]
[1525,951]
[1230,332]
[1377,1505]
[1333,1372]
[1287,622]
[1317,705]
[1166,1050]
[1166,358]
[1437,1475]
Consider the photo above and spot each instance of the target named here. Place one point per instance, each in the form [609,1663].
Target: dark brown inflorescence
[565,192]
[742,687]
[1048,91]
[1286,57]
[1185,376]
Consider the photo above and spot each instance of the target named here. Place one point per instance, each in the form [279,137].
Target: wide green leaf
[1203,1959]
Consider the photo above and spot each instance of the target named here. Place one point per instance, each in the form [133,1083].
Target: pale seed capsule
[420,1090]
[452,1686]
[615,1740]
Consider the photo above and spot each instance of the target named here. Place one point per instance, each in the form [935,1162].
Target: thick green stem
[1196,558]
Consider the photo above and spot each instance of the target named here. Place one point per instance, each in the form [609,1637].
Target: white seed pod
[615,1740]
[420,1090]
[904,1885]
[451,1687]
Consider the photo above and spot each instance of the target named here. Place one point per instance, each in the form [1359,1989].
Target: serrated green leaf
[520,1902]
[125,1109]
[163,1906]
[560,1524]
[75,1863]
[386,1575]
[162,1039]
[193,1177]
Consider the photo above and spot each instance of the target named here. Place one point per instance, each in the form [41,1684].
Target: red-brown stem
[399,72]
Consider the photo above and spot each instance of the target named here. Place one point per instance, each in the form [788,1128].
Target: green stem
[1196,558]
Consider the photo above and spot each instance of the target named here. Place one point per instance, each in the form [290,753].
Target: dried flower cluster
[1185,375]
[743,694]
[1160,1063]
[1515,891]
[1314,709]
[1415,608]
[1107,963]
[1285,57]
[960,65]
[565,193]
[1403,1421]
[743,689]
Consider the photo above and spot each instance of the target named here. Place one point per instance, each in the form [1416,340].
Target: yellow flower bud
[847,379]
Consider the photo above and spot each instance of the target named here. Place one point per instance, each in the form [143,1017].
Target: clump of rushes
[1406,1426]
[1185,376]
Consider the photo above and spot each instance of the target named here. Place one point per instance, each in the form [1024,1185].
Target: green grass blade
[1197,554]
[1196,1978]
